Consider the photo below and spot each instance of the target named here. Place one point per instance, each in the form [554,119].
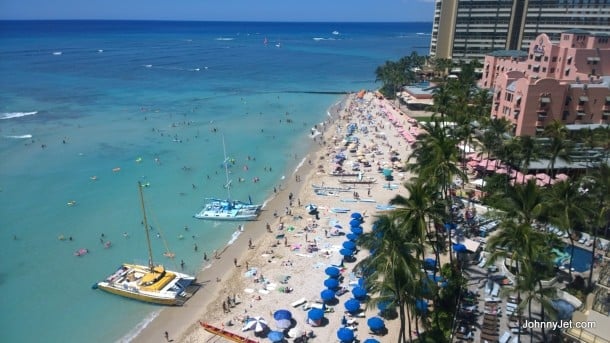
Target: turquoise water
[165,93]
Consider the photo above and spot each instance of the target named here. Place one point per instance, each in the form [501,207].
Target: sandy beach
[281,257]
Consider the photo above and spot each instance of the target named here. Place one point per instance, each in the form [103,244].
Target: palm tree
[437,162]
[559,146]
[392,267]
[523,202]
[567,208]
[530,151]
[598,188]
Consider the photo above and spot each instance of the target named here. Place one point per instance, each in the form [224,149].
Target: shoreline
[299,268]
[170,318]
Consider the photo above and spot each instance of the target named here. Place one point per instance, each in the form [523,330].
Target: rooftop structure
[566,81]
[470,29]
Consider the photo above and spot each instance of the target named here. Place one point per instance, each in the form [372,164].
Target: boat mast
[151,265]
[226,163]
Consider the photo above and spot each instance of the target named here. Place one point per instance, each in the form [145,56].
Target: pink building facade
[568,81]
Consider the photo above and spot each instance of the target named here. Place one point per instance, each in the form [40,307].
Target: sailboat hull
[132,281]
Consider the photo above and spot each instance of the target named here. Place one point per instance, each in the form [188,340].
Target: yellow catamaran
[153,284]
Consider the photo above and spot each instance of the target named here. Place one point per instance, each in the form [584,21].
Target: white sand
[305,269]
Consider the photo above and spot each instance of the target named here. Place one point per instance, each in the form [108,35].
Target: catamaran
[149,283]
[218,209]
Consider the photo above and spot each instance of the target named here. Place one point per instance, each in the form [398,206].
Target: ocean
[89,108]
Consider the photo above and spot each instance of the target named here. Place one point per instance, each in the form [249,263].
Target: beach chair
[482,263]
[505,338]
[496,290]
[299,302]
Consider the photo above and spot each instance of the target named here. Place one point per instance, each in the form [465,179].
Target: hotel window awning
[593,59]
[584,98]
[536,66]
[545,100]
[518,98]
[608,99]
[580,114]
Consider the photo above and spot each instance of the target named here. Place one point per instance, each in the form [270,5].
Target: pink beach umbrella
[561,177]
[501,171]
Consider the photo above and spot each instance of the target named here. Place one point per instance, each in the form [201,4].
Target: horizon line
[220,20]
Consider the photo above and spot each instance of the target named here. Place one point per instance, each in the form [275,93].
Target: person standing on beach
[235,262]
[167,336]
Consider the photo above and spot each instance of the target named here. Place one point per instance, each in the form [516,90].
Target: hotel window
[569,60]
[565,115]
[568,100]
[554,59]
[546,58]
[552,70]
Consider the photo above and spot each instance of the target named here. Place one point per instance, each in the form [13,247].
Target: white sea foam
[225,38]
[10,115]
[234,237]
[57,53]
[28,136]
[139,327]
[299,165]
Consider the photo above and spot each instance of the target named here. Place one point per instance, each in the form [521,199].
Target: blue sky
[230,10]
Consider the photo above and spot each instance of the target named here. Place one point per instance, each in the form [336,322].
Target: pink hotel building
[568,81]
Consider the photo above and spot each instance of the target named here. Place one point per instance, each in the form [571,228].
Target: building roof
[508,53]
[577,31]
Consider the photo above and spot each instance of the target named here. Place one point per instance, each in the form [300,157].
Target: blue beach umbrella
[359,292]
[275,336]
[331,283]
[375,323]
[346,252]
[352,305]
[355,223]
[459,247]
[357,230]
[421,305]
[429,263]
[383,305]
[282,314]
[315,314]
[356,215]
[370,340]
[352,236]
[345,335]
[327,295]
[349,245]
[332,271]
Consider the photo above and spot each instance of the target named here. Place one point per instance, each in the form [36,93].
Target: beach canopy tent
[327,295]
[359,293]
[258,324]
[370,340]
[349,245]
[275,336]
[356,215]
[345,335]
[332,271]
[375,323]
[352,305]
[429,263]
[346,252]
[283,319]
[331,283]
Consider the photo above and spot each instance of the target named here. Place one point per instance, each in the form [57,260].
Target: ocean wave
[28,136]
[10,115]
[224,38]
[234,237]
[320,38]
[139,327]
